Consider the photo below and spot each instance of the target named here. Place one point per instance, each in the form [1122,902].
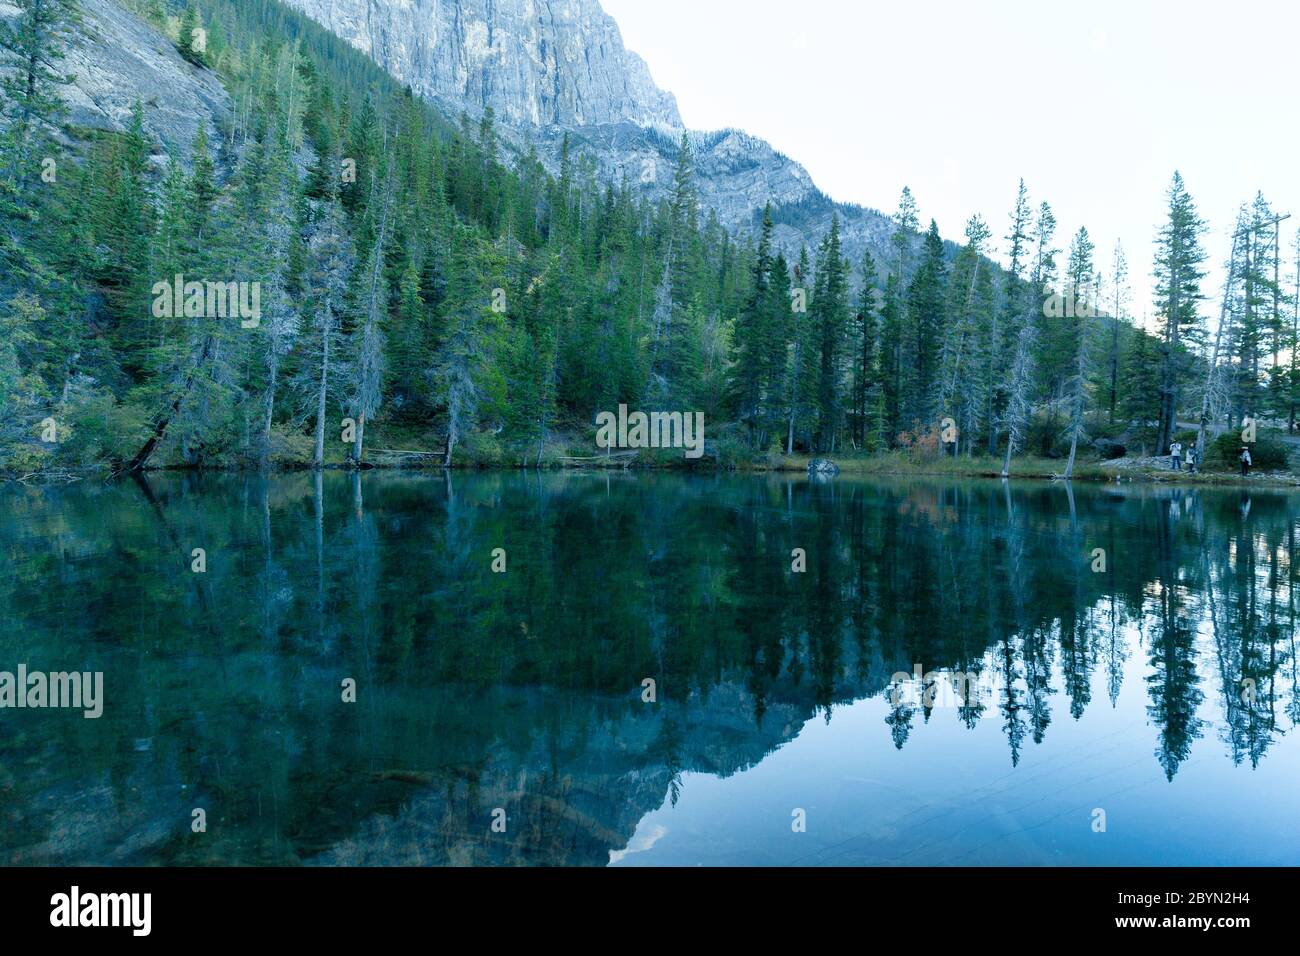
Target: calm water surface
[1156,697]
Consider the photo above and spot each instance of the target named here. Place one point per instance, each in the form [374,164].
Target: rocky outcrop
[536,62]
[116,59]
[736,173]
[551,67]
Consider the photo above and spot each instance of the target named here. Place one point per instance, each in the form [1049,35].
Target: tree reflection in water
[523,690]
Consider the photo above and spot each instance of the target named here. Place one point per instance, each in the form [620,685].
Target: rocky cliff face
[547,67]
[115,60]
[540,62]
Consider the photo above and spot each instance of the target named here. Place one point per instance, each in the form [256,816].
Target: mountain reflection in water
[1160,691]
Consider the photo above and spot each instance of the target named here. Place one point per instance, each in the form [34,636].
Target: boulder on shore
[1109,449]
[823,468]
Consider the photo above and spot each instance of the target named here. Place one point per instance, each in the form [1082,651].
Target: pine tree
[22,391]
[121,220]
[928,325]
[1115,323]
[1293,346]
[1020,396]
[830,315]
[1142,371]
[332,257]
[282,322]
[202,184]
[962,389]
[1178,275]
[543,303]
[366,364]
[781,333]
[192,42]
[31,46]
[363,152]
[801,367]
[1003,330]
[896,345]
[1257,322]
[682,274]
[752,331]
[459,363]
[1081,285]
[906,224]
[866,369]
[891,356]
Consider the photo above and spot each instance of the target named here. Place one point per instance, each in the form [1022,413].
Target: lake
[653,669]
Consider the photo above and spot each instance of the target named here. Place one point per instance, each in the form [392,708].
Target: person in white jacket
[1245,462]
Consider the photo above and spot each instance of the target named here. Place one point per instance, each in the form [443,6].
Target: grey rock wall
[116,59]
[547,67]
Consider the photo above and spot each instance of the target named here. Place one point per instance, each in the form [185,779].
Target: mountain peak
[550,67]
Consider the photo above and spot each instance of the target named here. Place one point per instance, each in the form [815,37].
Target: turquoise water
[1138,714]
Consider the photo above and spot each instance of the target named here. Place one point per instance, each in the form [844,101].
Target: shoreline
[888,467]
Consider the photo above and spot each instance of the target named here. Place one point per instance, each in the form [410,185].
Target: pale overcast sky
[1095,103]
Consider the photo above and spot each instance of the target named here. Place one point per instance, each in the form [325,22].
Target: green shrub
[1140,440]
[101,429]
[1099,427]
[1269,451]
[25,459]
[734,452]
[1048,436]
[290,447]
[481,450]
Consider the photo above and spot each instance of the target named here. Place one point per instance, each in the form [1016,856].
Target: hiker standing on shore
[1176,453]
[1193,454]
[1245,462]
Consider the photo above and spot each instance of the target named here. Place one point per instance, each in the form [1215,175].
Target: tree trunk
[1076,416]
[1168,384]
[1295,348]
[1114,360]
[361,433]
[1214,356]
[270,405]
[160,430]
[794,400]
[318,457]
[1074,448]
